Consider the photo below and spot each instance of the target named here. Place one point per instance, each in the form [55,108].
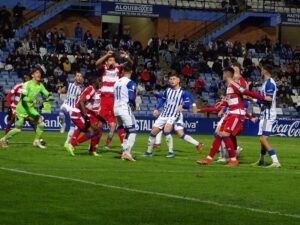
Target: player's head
[93,80]
[174,79]
[111,62]
[25,78]
[228,74]
[237,70]
[127,70]
[266,68]
[36,74]
[78,77]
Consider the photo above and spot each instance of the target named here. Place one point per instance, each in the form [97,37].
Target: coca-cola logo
[290,130]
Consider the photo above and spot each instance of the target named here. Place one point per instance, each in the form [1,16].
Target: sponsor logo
[289,130]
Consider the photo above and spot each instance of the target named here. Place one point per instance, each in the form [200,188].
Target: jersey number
[118,92]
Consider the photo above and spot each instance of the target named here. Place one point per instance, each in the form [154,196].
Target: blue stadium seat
[144,108]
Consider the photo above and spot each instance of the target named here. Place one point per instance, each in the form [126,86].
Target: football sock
[189,139]
[262,154]
[130,141]
[39,131]
[273,156]
[234,142]
[70,134]
[151,141]
[95,141]
[62,117]
[230,147]
[83,138]
[169,140]
[12,133]
[215,146]
[108,140]
[75,136]
[158,138]
[121,134]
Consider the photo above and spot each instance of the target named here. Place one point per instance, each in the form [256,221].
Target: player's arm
[46,93]
[9,97]
[131,94]
[100,61]
[160,103]
[239,89]
[193,101]
[185,102]
[124,55]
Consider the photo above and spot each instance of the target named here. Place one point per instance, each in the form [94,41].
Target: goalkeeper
[25,109]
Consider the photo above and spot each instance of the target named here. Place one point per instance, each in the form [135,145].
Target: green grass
[85,190]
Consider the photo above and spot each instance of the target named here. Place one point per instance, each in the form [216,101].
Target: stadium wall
[281,127]
[290,34]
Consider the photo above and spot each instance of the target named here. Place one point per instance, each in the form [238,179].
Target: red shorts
[232,124]
[78,120]
[107,110]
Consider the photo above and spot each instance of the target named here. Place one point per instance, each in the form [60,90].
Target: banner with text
[131,9]
[281,127]
[290,19]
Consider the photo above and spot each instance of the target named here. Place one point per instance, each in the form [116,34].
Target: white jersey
[268,109]
[123,96]
[73,94]
[171,99]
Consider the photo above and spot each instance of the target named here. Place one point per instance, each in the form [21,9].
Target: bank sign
[281,127]
[131,9]
[290,19]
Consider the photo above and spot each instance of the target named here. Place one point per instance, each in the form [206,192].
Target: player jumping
[25,109]
[124,103]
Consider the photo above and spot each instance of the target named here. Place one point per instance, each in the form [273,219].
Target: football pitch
[47,187]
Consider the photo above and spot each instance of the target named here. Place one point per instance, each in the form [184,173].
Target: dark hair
[127,67]
[266,65]
[238,65]
[35,70]
[173,75]
[229,70]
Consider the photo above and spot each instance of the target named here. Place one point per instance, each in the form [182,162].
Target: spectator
[199,85]
[145,76]
[78,32]
[67,66]
[154,44]
[18,14]
[187,72]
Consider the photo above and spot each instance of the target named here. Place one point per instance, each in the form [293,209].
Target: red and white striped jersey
[14,96]
[234,99]
[93,98]
[109,78]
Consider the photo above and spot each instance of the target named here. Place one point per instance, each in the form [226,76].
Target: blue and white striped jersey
[171,99]
[268,109]
[73,93]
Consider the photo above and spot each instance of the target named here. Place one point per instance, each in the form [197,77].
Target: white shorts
[126,120]
[160,122]
[265,127]
[66,107]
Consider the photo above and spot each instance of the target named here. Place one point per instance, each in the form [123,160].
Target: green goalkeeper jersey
[30,94]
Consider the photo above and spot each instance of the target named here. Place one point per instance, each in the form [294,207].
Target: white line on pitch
[209,202]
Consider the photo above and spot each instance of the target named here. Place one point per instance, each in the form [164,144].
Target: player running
[25,109]
[73,92]
[86,117]
[174,100]
[124,104]
[110,74]
[268,116]
[232,123]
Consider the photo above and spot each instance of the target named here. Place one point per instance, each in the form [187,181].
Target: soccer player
[232,123]
[174,100]
[12,100]
[124,104]
[73,92]
[268,116]
[110,73]
[86,117]
[180,126]
[25,108]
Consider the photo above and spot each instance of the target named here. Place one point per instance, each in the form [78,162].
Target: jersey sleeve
[44,91]
[191,97]
[12,92]
[131,91]
[162,100]
[240,90]
[87,93]
[270,89]
[186,100]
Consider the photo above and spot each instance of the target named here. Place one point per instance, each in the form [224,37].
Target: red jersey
[108,79]
[93,98]
[14,96]
[243,82]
